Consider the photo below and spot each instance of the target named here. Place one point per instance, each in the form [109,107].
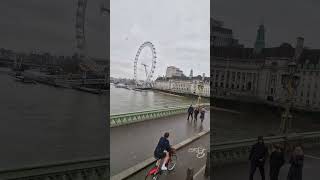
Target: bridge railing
[238,151]
[133,117]
[97,168]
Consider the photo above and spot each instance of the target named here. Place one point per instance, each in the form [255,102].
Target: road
[241,171]
[134,143]
[186,159]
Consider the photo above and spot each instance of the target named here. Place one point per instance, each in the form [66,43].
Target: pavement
[185,159]
[240,171]
[134,143]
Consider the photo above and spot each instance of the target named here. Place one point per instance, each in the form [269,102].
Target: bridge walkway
[134,143]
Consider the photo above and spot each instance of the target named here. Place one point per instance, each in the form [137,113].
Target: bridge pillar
[189,174]
[207,170]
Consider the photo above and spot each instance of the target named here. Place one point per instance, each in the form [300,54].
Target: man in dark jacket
[276,162]
[162,150]
[258,155]
[196,112]
[190,112]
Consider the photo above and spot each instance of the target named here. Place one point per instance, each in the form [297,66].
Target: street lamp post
[290,83]
[200,89]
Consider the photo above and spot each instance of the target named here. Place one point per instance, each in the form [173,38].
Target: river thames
[41,124]
[124,100]
[256,119]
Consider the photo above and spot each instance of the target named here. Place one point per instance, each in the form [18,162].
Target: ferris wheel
[81,33]
[149,74]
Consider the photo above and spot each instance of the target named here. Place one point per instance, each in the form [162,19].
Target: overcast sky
[284,20]
[179,29]
[49,25]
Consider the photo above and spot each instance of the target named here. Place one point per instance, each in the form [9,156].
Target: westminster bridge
[225,156]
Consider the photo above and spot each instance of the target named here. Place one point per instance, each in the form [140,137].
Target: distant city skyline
[178,29]
[284,20]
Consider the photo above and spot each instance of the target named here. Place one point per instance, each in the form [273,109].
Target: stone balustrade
[238,151]
[133,117]
[94,169]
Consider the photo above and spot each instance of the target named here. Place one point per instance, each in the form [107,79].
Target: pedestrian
[196,112]
[190,112]
[257,157]
[296,161]
[202,113]
[276,161]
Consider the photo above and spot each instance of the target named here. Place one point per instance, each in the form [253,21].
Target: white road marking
[312,157]
[202,169]
[200,152]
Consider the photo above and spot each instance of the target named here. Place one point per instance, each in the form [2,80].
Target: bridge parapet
[76,170]
[238,151]
[133,117]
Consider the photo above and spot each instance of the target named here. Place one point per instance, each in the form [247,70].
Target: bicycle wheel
[152,177]
[172,163]
[152,174]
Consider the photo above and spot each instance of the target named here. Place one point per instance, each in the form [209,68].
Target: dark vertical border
[211,96]
[108,87]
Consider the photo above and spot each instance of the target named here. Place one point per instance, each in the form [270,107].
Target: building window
[232,86]
[233,76]
[271,90]
[301,93]
[249,86]
[221,84]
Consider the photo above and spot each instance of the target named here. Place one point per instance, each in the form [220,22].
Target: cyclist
[162,151]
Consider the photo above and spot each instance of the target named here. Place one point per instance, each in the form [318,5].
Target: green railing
[238,151]
[133,117]
[97,168]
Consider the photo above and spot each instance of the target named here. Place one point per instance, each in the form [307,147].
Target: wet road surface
[186,159]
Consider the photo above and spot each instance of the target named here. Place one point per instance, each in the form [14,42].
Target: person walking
[202,113]
[257,157]
[296,161]
[196,112]
[190,112]
[276,162]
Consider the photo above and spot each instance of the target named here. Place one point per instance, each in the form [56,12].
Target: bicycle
[155,172]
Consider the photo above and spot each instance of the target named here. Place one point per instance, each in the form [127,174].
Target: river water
[254,120]
[124,100]
[41,124]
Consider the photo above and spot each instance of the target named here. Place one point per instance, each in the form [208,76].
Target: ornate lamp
[200,89]
[290,82]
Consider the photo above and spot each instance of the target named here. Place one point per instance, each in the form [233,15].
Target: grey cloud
[284,20]
[178,29]
[49,26]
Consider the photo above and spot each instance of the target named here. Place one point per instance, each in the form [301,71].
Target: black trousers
[190,114]
[274,172]
[253,168]
[196,116]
